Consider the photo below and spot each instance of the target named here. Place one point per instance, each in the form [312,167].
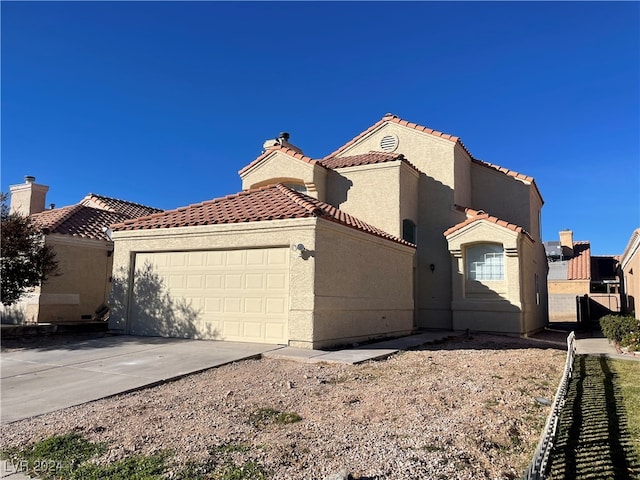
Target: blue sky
[162,103]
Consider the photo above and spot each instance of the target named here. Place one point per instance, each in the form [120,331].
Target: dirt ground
[467,408]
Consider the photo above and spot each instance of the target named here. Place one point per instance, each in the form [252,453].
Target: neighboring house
[398,229]
[581,286]
[630,267]
[83,252]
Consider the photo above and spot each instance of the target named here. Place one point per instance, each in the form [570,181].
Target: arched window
[408,231]
[485,261]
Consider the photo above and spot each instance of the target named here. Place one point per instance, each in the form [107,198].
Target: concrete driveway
[40,380]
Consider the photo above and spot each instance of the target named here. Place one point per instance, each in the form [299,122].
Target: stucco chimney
[282,140]
[566,242]
[28,197]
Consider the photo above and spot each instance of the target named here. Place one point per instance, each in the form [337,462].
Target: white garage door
[236,295]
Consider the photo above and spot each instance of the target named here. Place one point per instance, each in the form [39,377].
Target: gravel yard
[461,409]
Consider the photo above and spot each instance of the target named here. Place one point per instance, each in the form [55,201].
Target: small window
[485,262]
[409,231]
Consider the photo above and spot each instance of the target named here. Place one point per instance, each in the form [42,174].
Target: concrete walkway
[601,347]
[372,351]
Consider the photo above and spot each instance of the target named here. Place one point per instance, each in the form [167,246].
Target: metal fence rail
[538,466]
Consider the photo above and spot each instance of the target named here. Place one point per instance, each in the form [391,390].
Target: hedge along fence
[622,331]
[538,466]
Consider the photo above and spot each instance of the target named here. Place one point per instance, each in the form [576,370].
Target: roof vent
[389,143]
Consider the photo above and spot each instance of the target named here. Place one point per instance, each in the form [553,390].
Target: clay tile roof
[288,151]
[477,215]
[130,209]
[89,217]
[363,159]
[395,119]
[579,266]
[78,221]
[273,202]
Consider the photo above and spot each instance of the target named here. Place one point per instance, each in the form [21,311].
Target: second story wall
[506,197]
[382,194]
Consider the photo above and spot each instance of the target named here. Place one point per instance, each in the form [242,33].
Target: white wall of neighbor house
[258,235]
[363,286]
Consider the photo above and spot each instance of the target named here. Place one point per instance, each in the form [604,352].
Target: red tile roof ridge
[369,158]
[506,171]
[103,200]
[60,215]
[288,151]
[395,119]
[300,199]
[476,215]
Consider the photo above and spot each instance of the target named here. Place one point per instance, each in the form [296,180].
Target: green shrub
[632,341]
[615,327]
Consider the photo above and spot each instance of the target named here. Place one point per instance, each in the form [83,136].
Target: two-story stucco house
[398,229]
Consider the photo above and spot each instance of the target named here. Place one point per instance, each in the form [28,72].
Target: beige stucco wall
[326,305]
[512,305]
[382,194]
[434,157]
[490,188]
[574,287]
[279,167]
[84,268]
[363,287]
[278,233]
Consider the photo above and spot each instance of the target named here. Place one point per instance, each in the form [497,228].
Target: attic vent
[389,143]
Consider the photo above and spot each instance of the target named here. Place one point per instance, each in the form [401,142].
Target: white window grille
[485,262]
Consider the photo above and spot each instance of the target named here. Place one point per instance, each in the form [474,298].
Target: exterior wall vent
[389,143]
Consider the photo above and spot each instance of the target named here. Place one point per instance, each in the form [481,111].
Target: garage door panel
[239,295]
[233,281]
[256,257]
[234,258]
[276,281]
[254,280]
[275,306]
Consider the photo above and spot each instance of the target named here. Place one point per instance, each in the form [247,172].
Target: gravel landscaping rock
[463,409]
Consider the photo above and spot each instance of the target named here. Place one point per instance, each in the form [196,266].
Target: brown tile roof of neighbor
[363,159]
[130,209]
[289,151]
[90,216]
[273,202]
[477,215]
[579,266]
[78,221]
